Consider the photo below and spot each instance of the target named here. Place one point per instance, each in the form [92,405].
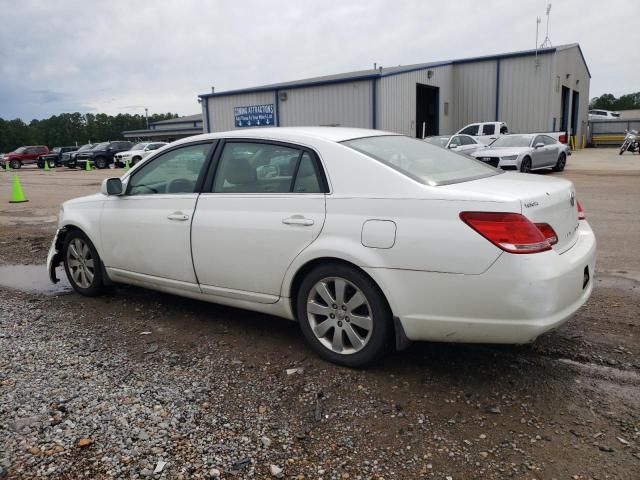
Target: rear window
[421,161]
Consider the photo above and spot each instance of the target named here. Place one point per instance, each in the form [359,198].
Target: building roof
[187,119]
[389,71]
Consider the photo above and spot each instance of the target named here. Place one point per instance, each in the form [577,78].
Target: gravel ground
[113,387]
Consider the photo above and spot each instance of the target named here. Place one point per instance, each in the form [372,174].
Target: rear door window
[488,129]
[255,167]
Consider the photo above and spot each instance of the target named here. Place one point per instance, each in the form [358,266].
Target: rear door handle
[178,216]
[298,220]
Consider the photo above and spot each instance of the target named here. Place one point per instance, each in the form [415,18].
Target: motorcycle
[631,142]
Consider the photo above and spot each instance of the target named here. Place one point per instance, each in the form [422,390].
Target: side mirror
[111,187]
[538,145]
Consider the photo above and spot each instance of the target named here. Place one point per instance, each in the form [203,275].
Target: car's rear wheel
[525,166]
[15,164]
[100,162]
[82,264]
[560,164]
[344,315]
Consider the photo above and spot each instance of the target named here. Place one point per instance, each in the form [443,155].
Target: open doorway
[427,102]
[564,116]
[575,106]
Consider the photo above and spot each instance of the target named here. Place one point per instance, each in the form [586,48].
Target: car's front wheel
[101,163]
[344,315]
[525,166]
[82,264]
[560,164]
[135,160]
[15,164]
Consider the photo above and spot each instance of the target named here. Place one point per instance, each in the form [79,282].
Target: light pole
[146,116]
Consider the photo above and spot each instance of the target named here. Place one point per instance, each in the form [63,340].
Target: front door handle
[298,220]
[178,216]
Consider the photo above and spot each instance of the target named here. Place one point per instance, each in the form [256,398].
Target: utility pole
[146,116]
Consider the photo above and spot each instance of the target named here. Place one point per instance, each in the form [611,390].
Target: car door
[455,143]
[552,150]
[264,206]
[146,232]
[470,130]
[487,133]
[539,156]
[468,145]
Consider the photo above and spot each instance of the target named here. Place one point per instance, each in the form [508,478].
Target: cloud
[101,56]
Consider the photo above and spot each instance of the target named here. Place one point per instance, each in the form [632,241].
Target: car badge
[572,199]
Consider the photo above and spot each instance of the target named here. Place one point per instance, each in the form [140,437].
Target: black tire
[381,334]
[40,163]
[560,164]
[15,164]
[96,286]
[100,163]
[135,160]
[525,165]
[72,164]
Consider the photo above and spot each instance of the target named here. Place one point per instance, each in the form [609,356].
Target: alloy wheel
[81,263]
[339,315]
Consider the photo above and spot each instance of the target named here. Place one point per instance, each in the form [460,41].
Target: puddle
[32,279]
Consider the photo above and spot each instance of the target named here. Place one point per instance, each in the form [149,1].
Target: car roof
[333,134]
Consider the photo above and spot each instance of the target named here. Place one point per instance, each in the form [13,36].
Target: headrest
[239,172]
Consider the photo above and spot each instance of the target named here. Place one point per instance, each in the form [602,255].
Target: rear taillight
[581,215]
[511,232]
[562,138]
[548,232]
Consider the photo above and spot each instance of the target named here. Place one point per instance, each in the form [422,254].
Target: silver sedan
[458,143]
[525,152]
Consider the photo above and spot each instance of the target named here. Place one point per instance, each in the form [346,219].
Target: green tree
[608,101]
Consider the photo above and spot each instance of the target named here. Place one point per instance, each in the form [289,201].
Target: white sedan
[368,239]
[525,152]
[458,143]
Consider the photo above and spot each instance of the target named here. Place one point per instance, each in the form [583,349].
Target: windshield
[56,149]
[139,146]
[20,150]
[83,148]
[512,141]
[421,161]
[101,146]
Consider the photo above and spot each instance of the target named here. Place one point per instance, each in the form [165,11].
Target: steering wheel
[180,185]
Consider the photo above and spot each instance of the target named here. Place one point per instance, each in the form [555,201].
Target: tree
[609,102]
[71,129]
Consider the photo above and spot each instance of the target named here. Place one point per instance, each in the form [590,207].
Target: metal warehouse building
[533,90]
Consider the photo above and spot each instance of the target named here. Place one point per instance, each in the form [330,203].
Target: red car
[24,155]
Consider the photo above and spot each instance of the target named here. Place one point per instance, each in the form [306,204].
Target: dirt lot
[83,393]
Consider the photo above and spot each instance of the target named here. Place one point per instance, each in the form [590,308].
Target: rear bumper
[53,258]
[517,299]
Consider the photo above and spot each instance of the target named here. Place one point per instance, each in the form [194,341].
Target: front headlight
[510,157]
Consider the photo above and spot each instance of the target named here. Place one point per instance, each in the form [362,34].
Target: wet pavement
[32,279]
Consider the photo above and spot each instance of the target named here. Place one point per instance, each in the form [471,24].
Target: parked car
[137,153]
[24,155]
[487,132]
[603,115]
[68,159]
[366,238]
[525,153]
[458,143]
[102,154]
[54,157]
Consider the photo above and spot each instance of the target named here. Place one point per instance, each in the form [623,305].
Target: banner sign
[254,115]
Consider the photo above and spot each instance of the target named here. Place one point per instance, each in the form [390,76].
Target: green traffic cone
[126,165]
[87,166]
[17,196]
[6,166]
[46,165]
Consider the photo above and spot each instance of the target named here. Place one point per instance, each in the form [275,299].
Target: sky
[122,56]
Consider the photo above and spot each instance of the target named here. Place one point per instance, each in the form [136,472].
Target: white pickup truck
[487,132]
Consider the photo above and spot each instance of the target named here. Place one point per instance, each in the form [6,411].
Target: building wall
[396,100]
[634,113]
[524,99]
[474,93]
[569,62]
[221,113]
[340,104]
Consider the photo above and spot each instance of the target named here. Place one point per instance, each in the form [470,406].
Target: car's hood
[500,152]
